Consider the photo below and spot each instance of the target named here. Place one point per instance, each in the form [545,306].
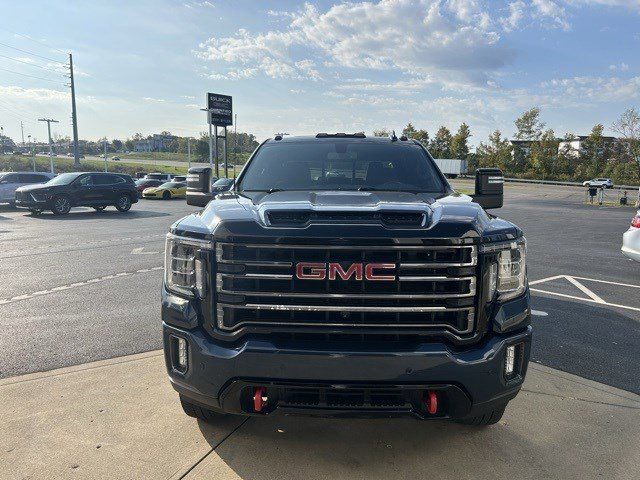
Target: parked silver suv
[10,181]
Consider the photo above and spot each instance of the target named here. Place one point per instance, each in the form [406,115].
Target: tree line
[537,152]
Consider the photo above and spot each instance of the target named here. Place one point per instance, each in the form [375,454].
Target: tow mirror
[199,186]
[489,188]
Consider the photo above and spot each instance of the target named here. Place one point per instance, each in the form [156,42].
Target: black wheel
[487,418]
[123,204]
[196,411]
[100,208]
[61,205]
[166,195]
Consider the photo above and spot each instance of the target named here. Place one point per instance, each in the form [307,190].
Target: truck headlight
[184,271]
[508,270]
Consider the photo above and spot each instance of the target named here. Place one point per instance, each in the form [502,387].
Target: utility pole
[189,150]
[74,116]
[235,144]
[2,140]
[22,130]
[33,158]
[105,153]
[49,121]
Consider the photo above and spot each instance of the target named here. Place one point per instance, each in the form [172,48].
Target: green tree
[495,153]
[628,127]
[440,146]
[459,142]
[117,144]
[528,125]
[543,155]
[420,135]
[381,132]
[595,152]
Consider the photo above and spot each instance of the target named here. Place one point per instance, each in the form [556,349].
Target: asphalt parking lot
[85,288]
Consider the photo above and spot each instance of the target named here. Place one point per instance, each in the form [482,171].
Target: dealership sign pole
[219,114]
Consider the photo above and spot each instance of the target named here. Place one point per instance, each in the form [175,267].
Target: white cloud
[40,95]
[593,89]
[550,11]
[517,12]
[197,4]
[416,37]
[154,100]
[623,67]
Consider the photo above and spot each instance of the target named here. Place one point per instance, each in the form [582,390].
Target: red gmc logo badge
[369,271]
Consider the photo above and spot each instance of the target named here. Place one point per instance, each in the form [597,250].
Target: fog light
[510,360]
[182,353]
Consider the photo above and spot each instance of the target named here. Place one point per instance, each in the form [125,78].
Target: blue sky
[145,66]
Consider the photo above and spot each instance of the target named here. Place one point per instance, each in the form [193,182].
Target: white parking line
[585,290]
[60,288]
[593,297]
[548,279]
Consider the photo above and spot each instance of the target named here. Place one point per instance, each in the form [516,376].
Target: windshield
[172,185]
[63,179]
[341,165]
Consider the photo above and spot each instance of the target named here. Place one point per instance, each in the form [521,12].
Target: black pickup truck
[343,276]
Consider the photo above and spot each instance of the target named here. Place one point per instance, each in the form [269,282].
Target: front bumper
[220,374]
[33,204]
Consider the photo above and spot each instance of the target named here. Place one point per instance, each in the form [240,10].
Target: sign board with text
[220,108]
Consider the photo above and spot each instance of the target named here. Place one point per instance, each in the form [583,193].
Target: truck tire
[487,418]
[196,411]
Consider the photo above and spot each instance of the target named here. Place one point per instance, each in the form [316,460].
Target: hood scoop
[387,218]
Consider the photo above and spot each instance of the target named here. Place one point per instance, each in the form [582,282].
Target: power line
[31,53]
[16,113]
[32,76]
[34,40]
[30,64]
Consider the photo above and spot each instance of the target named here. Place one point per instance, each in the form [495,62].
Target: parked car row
[40,191]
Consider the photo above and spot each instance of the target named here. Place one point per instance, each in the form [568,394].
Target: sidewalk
[120,418]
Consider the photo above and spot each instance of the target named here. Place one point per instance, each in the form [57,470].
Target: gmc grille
[434,289]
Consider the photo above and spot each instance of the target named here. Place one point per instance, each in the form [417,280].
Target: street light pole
[189,150]
[105,153]
[33,158]
[2,139]
[49,121]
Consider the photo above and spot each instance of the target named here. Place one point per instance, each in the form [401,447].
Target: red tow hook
[431,402]
[259,398]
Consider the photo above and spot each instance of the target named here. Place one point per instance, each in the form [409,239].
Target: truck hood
[453,216]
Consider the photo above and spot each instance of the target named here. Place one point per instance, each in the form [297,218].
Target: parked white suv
[599,182]
[631,239]
[10,181]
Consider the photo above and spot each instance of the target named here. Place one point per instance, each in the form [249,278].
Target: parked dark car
[86,189]
[143,183]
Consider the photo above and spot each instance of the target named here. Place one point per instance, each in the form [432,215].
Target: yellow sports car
[166,191]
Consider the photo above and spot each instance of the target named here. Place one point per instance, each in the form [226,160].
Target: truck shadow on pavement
[588,340]
[537,438]
[93,215]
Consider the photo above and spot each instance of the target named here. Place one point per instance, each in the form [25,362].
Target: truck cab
[343,276]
